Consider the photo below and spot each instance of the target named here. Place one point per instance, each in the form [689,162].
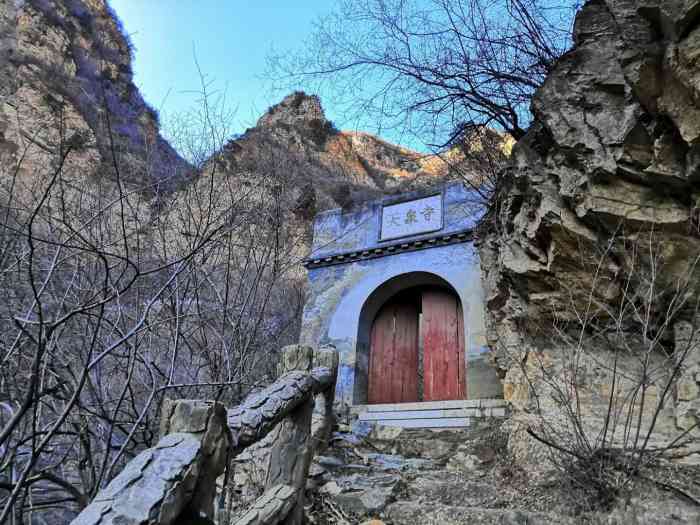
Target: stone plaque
[411,218]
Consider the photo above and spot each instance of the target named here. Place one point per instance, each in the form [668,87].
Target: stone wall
[593,248]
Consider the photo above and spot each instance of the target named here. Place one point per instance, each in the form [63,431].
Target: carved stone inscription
[411,218]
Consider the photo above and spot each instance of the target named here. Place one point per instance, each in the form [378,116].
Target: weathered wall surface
[358,229]
[345,295]
[600,209]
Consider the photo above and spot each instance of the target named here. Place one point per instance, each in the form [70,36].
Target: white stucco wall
[340,291]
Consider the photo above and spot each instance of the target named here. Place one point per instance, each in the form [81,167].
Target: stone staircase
[406,476]
[432,414]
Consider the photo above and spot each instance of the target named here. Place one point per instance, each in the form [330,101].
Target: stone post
[174,479]
[207,421]
[282,457]
[291,447]
[323,417]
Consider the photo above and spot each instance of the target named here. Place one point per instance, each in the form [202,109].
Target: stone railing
[174,482]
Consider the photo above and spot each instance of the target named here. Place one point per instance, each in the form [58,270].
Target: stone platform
[432,414]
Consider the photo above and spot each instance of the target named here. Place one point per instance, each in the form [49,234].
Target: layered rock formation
[595,241]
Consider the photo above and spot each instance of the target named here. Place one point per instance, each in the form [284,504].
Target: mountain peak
[296,108]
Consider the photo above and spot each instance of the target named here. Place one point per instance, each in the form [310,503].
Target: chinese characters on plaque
[411,218]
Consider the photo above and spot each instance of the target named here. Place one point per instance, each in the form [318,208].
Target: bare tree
[604,394]
[437,69]
[116,293]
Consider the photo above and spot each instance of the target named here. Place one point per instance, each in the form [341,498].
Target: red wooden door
[443,347]
[393,358]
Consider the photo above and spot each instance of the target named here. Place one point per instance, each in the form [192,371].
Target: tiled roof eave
[400,246]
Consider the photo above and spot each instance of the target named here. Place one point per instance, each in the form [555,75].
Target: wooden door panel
[393,367]
[443,347]
[462,379]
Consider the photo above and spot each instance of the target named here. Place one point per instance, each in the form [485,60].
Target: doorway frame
[374,302]
[339,294]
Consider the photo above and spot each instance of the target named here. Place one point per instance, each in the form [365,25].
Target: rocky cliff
[68,83]
[68,80]
[595,243]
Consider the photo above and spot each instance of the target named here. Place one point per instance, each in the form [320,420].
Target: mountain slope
[67,81]
[335,168]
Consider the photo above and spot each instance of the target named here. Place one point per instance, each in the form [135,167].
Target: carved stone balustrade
[176,480]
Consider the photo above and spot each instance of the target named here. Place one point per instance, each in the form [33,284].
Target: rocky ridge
[69,82]
[334,168]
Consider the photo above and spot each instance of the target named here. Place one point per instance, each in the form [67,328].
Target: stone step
[432,405]
[410,513]
[444,422]
[431,414]
[418,414]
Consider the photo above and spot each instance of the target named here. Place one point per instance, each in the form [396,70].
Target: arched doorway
[394,351]
[417,347]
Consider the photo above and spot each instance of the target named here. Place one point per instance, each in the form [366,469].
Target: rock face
[67,80]
[336,168]
[595,240]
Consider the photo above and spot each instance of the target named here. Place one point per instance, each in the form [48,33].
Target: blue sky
[231,39]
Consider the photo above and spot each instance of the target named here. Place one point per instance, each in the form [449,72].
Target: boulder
[364,494]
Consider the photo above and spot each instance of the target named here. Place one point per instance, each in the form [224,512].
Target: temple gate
[396,287]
